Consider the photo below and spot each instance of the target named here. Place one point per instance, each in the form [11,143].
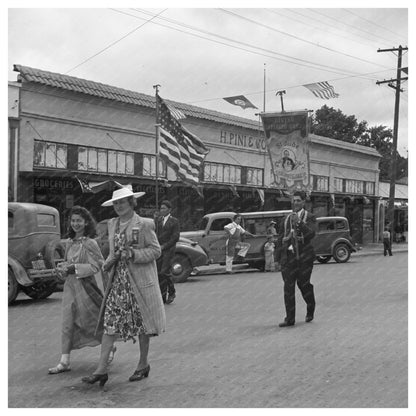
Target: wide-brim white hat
[122,193]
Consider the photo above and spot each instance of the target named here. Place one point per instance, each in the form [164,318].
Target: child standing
[387,242]
[269,254]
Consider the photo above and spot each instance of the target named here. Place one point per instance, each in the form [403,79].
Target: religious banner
[287,143]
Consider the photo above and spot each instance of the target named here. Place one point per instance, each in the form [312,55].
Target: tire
[13,287]
[342,253]
[181,268]
[39,291]
[54,254]
[323,259]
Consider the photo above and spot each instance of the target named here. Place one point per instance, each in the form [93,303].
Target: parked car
[212,237]
[34,250]
[188,254]
[333,239]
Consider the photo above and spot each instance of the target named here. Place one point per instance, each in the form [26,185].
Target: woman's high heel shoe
[93,378]
[140,374]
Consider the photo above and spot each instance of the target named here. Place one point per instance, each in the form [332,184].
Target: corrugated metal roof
[109,92]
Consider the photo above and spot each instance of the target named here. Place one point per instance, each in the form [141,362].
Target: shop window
[369,188]
[320,183]
[102,161]
[339,185]
[254,176]
[353,187]
[50,155]
[218,172]
[149,166]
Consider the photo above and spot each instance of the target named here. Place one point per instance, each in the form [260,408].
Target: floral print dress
[122,315]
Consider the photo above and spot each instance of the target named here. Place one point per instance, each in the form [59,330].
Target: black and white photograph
[208,205]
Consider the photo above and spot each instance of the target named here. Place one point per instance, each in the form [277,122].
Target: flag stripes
[322,90]
[182,150]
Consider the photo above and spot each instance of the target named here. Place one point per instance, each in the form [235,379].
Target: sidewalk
[370,249]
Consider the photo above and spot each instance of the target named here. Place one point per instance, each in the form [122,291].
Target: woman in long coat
[132,305]
[82,297]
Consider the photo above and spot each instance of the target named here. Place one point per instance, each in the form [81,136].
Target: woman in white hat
[132,305]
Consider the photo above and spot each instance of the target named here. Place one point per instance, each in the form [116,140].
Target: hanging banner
[287,143]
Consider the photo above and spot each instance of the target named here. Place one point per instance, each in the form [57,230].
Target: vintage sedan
[333,239]
[188,254]
[34,250]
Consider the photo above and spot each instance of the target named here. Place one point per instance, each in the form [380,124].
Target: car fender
[342,240]
[19,272]
[194,253]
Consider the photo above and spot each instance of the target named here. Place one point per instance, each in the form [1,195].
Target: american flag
[181,149]
[322,90]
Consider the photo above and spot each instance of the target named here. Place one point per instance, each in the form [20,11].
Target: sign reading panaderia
[288,147]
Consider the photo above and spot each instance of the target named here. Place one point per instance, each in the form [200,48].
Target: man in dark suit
[167,230]
[296,256]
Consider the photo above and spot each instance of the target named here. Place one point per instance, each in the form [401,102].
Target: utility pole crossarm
[391,80]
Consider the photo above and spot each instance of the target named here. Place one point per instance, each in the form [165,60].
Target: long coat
[142,271]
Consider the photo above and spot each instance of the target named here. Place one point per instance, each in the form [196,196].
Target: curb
[238,268]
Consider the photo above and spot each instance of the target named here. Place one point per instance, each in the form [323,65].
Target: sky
[201,55]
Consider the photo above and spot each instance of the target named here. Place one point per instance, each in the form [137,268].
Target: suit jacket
[306,250]
[168,234]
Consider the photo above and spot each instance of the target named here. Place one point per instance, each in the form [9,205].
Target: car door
[323,236]
[214,241]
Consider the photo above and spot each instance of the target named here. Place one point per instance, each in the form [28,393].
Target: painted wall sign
[242,140]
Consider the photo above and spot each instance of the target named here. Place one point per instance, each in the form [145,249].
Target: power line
[316,27]
[347,24]
[114,43]
[373,23]
[370,42]
[299,38]
[316,65]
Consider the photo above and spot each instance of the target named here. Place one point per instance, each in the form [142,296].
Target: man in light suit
[167,230]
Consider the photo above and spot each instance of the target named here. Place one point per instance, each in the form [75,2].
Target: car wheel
[13,287]
[39,291]
[181,268]
[342,253]
[323,259]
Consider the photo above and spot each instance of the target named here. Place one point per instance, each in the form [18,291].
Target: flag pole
[156,87]
[264,88]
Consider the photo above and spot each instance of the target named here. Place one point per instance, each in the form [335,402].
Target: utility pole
[281,98]
[393,164]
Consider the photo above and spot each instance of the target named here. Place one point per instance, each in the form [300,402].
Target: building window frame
[48,154]
[214,172]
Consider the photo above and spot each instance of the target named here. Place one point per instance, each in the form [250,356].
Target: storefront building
[73,133]
[401,210]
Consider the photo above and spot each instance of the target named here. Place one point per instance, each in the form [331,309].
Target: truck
[212,237]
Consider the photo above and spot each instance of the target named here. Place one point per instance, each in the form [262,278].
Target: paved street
[223,347]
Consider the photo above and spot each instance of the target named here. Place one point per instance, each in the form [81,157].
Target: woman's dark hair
[90,224]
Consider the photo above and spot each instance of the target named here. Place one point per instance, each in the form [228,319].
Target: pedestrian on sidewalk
[296,256]
[234,233]
[387,242]
[132,305]
[82,297]
[167,230]
[269,254]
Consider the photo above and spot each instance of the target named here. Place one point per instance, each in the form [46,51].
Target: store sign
[287,143]
[242,140]
[53,184]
